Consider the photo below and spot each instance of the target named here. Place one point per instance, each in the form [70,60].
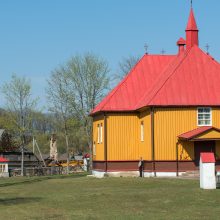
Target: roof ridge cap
[155,83]
[165,80]
[172,72]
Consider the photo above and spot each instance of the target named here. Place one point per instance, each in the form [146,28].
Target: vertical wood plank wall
[169,123]
[124,134]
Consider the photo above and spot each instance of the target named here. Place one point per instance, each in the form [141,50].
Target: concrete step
[191,174]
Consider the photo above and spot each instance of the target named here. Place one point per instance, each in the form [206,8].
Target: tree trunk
[67,151]
[22,160]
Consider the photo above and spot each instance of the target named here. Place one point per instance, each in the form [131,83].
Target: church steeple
[192,36]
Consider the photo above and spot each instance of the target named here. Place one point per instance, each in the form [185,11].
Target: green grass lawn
[81,197]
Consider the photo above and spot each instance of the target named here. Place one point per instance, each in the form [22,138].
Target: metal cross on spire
[207,48]
[191,3]
[146,48]
[163,51]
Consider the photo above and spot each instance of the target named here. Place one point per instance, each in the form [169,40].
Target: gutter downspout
[152,140]
[177,158]
[105,143]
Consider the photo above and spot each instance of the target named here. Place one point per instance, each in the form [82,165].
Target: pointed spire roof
[181,41]
[191,25]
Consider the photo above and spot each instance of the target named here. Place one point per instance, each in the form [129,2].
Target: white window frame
[101,133]
[94,149]
[203,119]
[2,168]
[142,131]
[98,132]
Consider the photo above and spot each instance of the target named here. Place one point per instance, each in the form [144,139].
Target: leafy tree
[59,101]
[88,82]
[7,143]
[20,106]
[74,89]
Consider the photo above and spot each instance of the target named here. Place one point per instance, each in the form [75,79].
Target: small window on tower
[142,131]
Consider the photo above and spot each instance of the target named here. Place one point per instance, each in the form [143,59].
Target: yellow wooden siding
[169,123]
[213,134]
[216,117]
[124,136]
[145,146]
[186,150]
[100,152]
[216,123]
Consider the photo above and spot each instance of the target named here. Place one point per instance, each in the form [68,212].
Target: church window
[204,116]
[142,131]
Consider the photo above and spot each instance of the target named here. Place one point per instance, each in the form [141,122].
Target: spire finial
[191,3]
[207,48]
[146,48]
[163,51]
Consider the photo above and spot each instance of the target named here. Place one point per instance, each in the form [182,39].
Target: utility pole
[22,156]
[67,150]
[35,142]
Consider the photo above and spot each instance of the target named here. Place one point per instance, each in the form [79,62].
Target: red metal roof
[190,78]
[207,157]
[3,160]
[198,131]
[138,82]
[191,25]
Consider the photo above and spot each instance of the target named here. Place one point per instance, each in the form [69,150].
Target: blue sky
[36,36]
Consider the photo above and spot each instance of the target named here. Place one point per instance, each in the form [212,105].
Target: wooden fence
[45,171]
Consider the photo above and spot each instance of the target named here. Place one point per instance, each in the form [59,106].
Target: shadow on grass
[18,200]
[28,180]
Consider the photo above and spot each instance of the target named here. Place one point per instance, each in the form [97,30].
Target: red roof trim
[195,132]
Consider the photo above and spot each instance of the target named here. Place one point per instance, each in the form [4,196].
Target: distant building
[13,155]
[4,167]
[166,111]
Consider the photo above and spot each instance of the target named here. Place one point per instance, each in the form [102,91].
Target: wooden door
[203,146]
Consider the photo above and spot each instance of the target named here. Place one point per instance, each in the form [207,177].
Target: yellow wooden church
[165,112]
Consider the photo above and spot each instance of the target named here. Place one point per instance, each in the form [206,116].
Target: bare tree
[126,64]
[20,107]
